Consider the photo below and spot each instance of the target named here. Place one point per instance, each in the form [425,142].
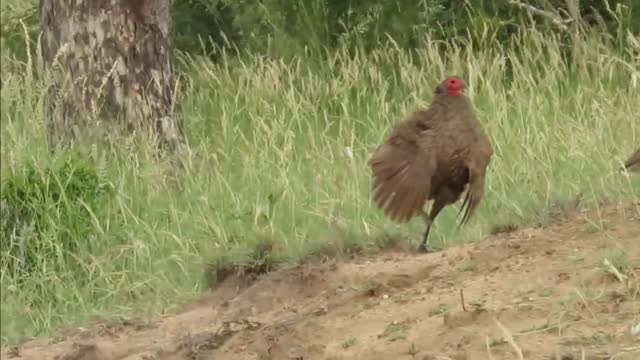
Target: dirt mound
[537,293]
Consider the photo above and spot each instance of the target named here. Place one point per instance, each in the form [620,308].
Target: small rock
[321,310]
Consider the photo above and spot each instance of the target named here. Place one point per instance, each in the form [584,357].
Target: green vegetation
[279,158]
[287,28]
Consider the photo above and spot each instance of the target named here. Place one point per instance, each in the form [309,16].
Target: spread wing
[634,162]
[402,168]
[477,167]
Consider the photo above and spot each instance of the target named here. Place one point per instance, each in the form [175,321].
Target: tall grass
[279,153]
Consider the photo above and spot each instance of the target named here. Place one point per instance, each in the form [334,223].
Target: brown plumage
[633,164]
[434,154]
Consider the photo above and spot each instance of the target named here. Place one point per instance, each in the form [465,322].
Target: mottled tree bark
[110,69]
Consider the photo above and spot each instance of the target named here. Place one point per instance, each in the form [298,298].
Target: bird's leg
[428,222]
[442,198]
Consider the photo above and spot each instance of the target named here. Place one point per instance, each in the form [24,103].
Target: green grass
[279,153]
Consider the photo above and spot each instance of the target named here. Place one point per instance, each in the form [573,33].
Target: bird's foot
[424,249]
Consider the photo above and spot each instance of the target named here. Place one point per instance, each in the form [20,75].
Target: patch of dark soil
[199,346]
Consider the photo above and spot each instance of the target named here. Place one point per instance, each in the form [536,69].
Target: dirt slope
[546,286]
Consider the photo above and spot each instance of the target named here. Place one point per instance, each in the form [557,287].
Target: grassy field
[279,155]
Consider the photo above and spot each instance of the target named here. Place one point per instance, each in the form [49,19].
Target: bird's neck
[457,103]
[453,98]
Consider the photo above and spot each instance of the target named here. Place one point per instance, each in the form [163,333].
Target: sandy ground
[535,293]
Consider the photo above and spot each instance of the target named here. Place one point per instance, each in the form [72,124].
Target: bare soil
[534,293]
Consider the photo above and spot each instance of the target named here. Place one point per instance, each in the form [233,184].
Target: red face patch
[454,86]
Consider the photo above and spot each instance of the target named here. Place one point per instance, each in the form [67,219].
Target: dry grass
[279,153]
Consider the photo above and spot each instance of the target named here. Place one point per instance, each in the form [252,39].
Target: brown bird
[433,154]
[633,164]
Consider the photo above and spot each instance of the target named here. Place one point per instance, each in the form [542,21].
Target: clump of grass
[397,330]
[503,228]
[49,214]
[351,341]
[370,287]
[592,226]
[260,258]
[471,266]
[618,262]
[438,310]
[545,292]
[280,148]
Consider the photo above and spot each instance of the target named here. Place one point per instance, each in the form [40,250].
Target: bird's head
[451,85]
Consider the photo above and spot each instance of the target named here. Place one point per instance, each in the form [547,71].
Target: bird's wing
[477,167]
[402,168]
[633,160]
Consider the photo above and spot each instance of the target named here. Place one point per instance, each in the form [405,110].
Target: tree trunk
[110,69]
